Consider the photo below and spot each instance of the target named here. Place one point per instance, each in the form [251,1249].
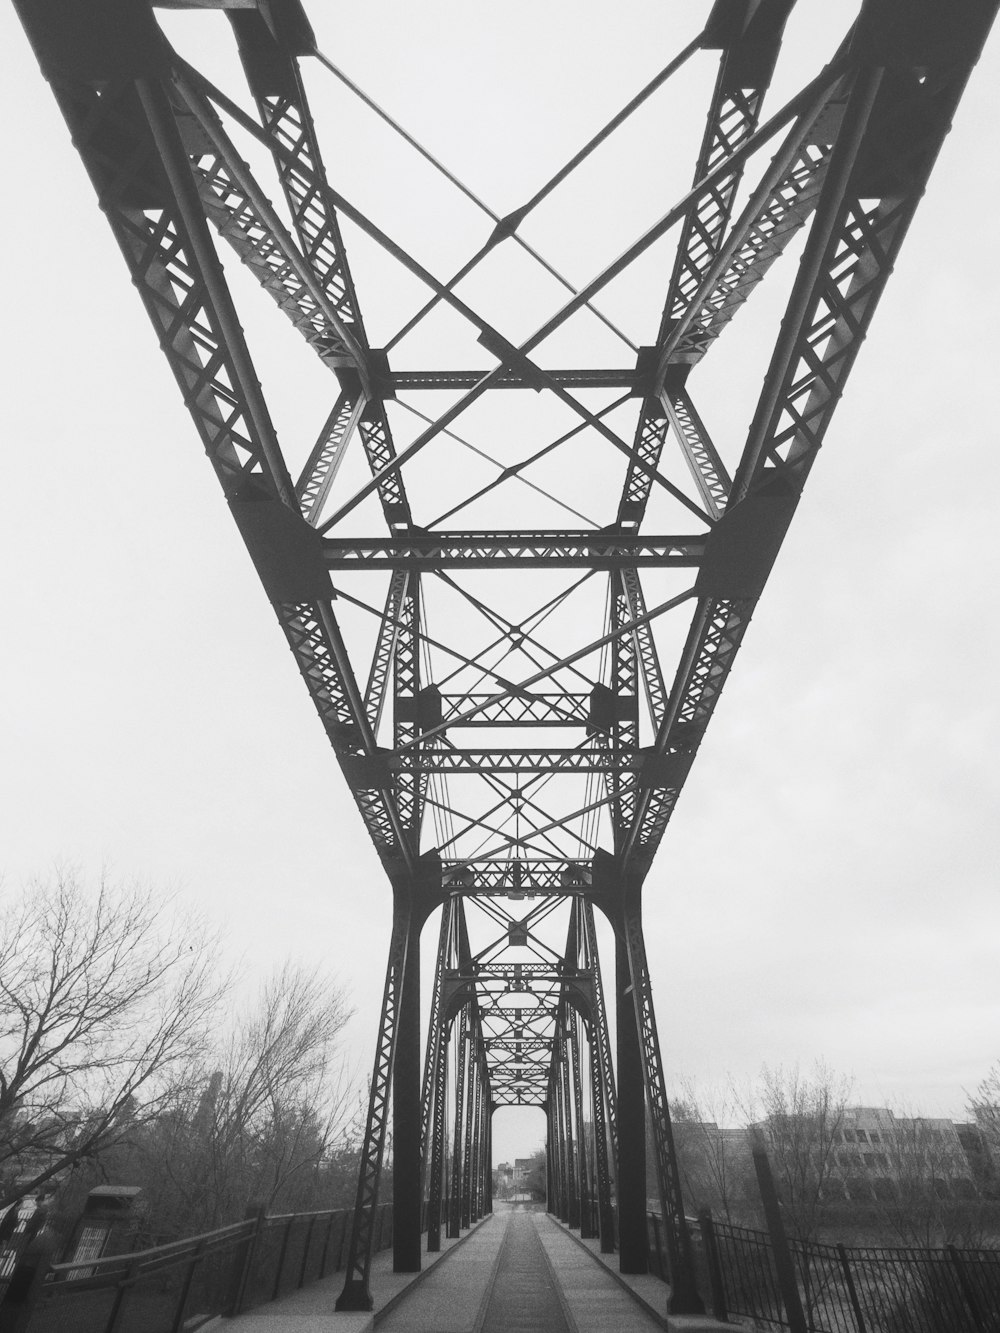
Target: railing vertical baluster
[281,1257]
[244,1258]
[345,1232]
[186,1287]
[116,1304]
[657,1246]
[326,1243]
[711,1244]
[845,1264]
[967,1291]
[305,1251]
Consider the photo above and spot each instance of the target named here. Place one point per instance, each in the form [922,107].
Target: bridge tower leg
[435,1084]
[684,1298]
[470,1097]
[407,1176]
[562,1128]
[551,1205]
[632,1244]
[476,1190]
[356,1294]
[490,1108]
[455,1202]
[602,1083]
[437,1146]
[572,1138]
[586,1202]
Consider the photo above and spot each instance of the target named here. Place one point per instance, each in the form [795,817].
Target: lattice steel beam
[526,550]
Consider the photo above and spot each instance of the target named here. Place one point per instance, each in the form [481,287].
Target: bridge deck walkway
[518,1271]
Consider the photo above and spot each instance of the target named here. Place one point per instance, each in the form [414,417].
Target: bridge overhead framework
[515,691]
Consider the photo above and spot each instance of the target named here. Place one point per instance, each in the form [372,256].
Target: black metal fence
[842,1289]
[185,1284]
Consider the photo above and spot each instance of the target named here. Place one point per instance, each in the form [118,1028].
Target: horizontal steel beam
[398,380]
[529,710]
[517,761]
[526,550]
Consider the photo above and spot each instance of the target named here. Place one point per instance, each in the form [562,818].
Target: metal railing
[184,1284]
[842,1289]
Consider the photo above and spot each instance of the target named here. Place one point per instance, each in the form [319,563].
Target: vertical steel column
[407,1176]
[435,1085]
[488,1202]
[605,1215]
[602,1082]
[586,1226]
[566,1105]
[476,1192]
[625,722]
[684,1298]
[437,1151]
[470,1092]
[560,1200]
[455,1202]
[551,1202]
[631,1173]
[406,706]
[356,1294]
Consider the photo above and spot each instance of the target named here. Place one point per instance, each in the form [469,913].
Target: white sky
[828,884]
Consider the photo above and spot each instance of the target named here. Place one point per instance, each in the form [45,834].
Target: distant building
[874,1152]
[522,1169]
[874,1146]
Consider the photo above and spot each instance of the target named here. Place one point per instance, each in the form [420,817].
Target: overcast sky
[827,887]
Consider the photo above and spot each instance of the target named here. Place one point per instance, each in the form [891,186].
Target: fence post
[281,1258]
[967,1291]
[714,1261]
[244,1259]
[178,1322]
[783,1266]
[326,1243]
[305,1250]
[657,1246]
[345,1231]
[25,1285]
[116,1308]
[852,1292]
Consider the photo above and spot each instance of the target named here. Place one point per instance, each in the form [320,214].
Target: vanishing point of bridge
[515,660]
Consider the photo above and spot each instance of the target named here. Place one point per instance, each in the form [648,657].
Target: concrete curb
[417,1278]
[673,1323]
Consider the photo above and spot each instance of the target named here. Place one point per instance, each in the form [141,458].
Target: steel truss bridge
[514,708]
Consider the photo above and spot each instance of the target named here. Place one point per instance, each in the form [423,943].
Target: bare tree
[921,1187]
[273,1108]
[104,1002]
[799,1118]
[984,1107]
[714,1158]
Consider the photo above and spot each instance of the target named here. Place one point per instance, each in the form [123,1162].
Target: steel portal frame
[518,820]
